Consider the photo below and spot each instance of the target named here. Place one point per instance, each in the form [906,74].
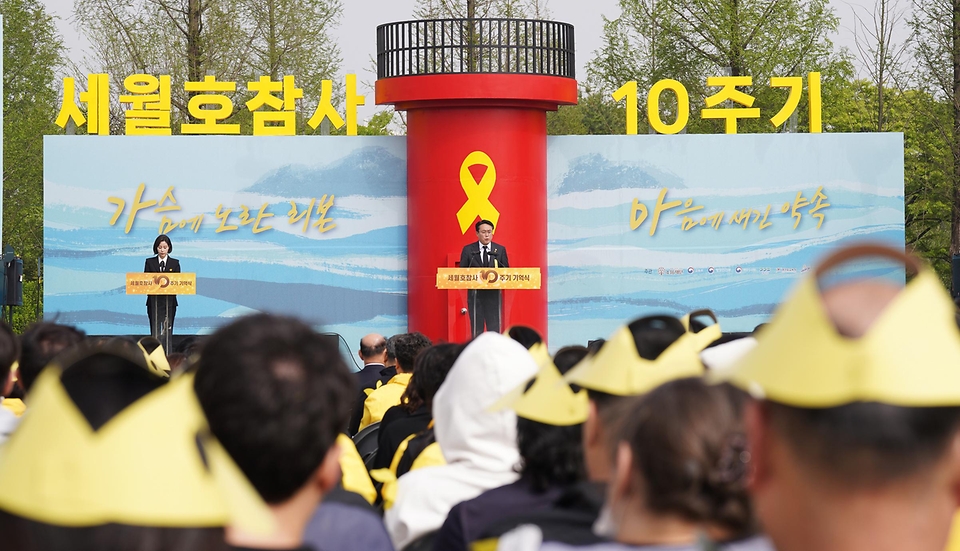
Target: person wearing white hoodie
[479,446]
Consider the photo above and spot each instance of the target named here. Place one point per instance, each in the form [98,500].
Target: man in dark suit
[484,305]
[159,306]
[373,354]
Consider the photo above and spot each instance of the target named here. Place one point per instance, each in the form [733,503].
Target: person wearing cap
[549,419]
[289,453]
[480,446]
[853,429]
[113,454]
[637,358]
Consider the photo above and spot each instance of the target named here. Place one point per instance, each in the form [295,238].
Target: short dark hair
[9,351]
[866,444]
[689,450]
[392,347]
[527,336]
[476,226]
[407,346]
[368,351]
[40,343]
[160,239]
[569,356]
[430,368]
[276,394]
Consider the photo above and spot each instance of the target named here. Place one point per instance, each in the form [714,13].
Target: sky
[356,34]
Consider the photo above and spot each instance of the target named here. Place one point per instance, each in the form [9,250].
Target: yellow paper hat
[710,333]
[910,356]
[156,360]
[617,368]
[153,464]
[550,400]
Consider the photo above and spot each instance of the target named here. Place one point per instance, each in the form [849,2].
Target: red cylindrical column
[450,118]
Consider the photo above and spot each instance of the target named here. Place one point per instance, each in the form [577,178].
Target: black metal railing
[445,46]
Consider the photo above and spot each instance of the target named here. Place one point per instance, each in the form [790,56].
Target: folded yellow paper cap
[617,368]
[156,359]
[549,400]
[910,355]
[152,464]
[706,335]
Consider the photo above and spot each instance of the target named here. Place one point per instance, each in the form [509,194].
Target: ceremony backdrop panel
[605,267]
[350,278]
[602,272]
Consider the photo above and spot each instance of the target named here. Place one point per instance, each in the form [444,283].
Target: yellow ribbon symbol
[478,193]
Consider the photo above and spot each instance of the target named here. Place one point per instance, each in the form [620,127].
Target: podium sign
[488,278]
[165,283]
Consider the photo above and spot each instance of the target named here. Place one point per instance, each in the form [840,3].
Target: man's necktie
[163,266]
[486,256]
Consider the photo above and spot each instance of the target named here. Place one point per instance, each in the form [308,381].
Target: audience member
[853,434]
[373,354]
[277,394]
[479,446]
[388,394]
[9,355]
[40,343]
[388,371]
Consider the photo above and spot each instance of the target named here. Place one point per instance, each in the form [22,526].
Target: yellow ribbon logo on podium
[478,193]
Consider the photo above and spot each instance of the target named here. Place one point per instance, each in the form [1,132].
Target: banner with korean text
[651,224]
[309,226]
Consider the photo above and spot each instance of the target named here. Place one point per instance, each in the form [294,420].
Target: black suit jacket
[152,265]
[470,256]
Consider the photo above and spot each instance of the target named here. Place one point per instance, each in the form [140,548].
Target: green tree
[692,40]
[233,40]
[32,57]
[595,113]
[936,48]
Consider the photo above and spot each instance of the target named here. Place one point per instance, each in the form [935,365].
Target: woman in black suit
[157,304]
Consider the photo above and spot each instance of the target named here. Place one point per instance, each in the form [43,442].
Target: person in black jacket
[159,306]
[484,305]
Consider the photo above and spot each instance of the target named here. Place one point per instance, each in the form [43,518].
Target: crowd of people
[834,427]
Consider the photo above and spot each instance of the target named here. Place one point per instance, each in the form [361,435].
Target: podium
[461,280]
[163,285]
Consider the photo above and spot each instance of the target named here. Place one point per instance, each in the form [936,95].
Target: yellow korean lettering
[167,197]
[638,213]
[137,206]
[661,208]
[795,84]
[223,215]
[629,91]
[729,92]
[120,204]
[818,203]
[815,101]
[798,203]
[282,120]
[200,109]
[69,110]
[150,101]
[325,108]
[653,106]
[293,217]
[245,218]
[324,224]
[353,101]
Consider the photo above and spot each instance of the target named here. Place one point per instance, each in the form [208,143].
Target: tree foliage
[233,40]
[33,55]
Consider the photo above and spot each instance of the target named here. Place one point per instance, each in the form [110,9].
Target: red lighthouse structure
[476,93]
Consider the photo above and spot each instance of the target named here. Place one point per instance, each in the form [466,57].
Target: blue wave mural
[602,272]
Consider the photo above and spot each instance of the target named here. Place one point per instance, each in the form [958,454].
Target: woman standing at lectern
[158,306]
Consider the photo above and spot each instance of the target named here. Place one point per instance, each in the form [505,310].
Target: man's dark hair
[376,349]
[392,347]
[430,368]
[527,336]
[40,343]
[689,453]
[569,356]
[9,351]
[162,239]
[866,444]
[276,394]
[407,346]
[476,226]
